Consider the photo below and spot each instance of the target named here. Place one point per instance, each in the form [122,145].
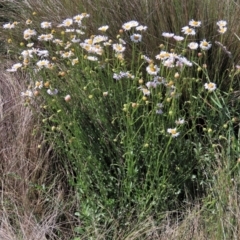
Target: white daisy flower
[178,38]
[42,53]
[173,132]
[183,61]
[92,58]
[193,45]
[167,35]
[67,54]
[188,31]
[222,30]
[28,22]
[52,91]
[169,62]
[210,86]
[141,28]
[74,61]
[180,121]
[46,24]
[118,48]
[8,26]
[66,23]
[222,23]
[128,25]
[163,55]
[78,18]
[28,33]
[145,91]
[204,45]
[153,69]
[43,63]
[45,37]
[15,67]
[136,38]
[28,93]
[194,23]
[30,45]
[103,28]
[99,38]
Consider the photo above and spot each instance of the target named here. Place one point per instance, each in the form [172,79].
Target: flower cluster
[70,50]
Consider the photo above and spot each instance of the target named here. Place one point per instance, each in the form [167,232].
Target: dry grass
[33,197]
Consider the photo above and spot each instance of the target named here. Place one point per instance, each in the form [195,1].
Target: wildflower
[167,35]
[159,79]
[92,58]
[128,25]
[141,28]
[78,18]
[74,61]
[169,62]
[188,31]
[136,38]
[183,61]
[152,84]
[15,67]
[52,91]
[38,85]
[42,53]
[122,75]
[67,98]
[145,91]
[103,28]
[67,54]
[28,22]
[176,75]
[210,86]
[46,25]
[66,23]
[173,132]
[105,94]
[159,111]
[28,33]
[8,26]
[80,31]
[222,30]
[193,45]
[70,30]
[45,37]
[74,40]
[146,58]
[163,55]
[180,121]
[99,38]
[159,108]
[193,23]
[178,38]
[222,23]
[204,45]
[42,63]
[122,41]
[118,48]
[58,42]
[28,93]
[86,46]
[30,45]
[152,69]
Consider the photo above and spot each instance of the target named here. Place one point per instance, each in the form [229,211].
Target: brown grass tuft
[33,196]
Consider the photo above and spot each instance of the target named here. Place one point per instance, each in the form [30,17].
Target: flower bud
[67,98]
